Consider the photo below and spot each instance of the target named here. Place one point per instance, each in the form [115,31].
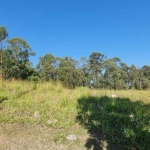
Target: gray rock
[36,114]
[52,121]
[71,137]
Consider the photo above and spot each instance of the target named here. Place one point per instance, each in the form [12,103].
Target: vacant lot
[46,116]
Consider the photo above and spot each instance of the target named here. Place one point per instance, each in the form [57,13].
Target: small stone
[101,108]
[52,121]
[49,122]
[55,121]
[36,114]
[131,116]
[72,137]
[113,95]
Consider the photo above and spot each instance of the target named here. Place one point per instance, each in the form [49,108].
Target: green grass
[120,123]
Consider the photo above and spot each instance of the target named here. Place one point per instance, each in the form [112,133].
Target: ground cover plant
[45,113]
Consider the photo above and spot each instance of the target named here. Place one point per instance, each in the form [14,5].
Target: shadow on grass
[3,98]
[20,94]
[17,95]
[115,124]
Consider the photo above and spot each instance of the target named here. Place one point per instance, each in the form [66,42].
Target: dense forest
[97,71]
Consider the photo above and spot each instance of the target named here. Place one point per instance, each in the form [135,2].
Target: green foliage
[16,59]
[3,33]
[46,67]
[114,75]
[95,63]
[105,73]
[69,74]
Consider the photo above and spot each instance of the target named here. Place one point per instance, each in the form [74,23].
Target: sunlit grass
[59,108]
[20,99]
[52,101]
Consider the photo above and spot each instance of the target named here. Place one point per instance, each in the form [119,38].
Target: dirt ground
[37,137]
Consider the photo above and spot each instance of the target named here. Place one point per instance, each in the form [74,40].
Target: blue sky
[76,28]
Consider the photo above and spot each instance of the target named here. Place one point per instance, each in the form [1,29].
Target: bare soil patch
[37,137]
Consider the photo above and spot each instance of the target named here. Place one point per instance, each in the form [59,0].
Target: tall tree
[134,77]
[46,67]
[115,75]
[69,74]
[16,62]
[84,66]
[95,62]
[3,35]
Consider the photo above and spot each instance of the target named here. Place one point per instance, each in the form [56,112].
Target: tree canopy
[109,73]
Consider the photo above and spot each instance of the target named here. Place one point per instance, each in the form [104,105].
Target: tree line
[97,71]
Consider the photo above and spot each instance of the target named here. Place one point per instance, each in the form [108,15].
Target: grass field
[51,113]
